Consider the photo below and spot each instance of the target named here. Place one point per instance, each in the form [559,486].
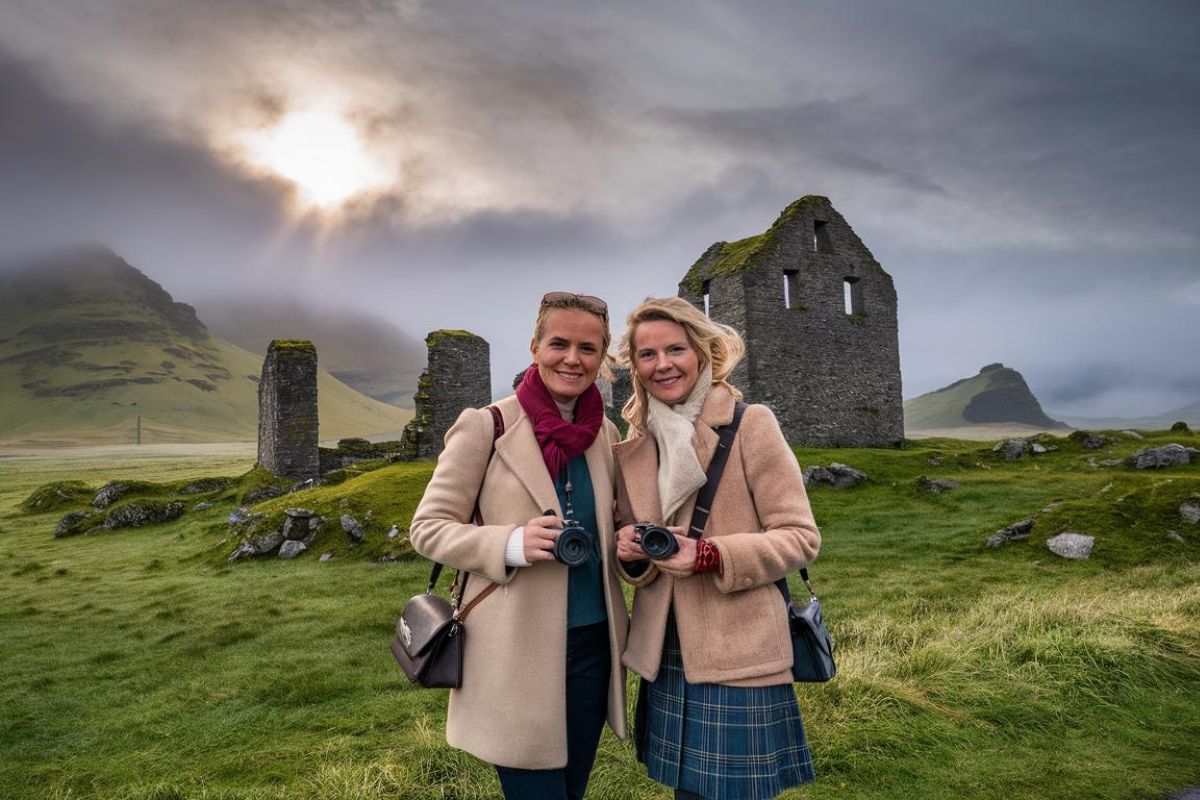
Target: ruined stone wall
[287,410]
[458,376]
[831,377]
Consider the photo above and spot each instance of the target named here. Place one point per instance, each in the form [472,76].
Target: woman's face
[569,353]
[665,361]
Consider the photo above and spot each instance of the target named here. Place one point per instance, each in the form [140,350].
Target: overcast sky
[1028,172]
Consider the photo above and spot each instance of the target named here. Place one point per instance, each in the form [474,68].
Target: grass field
[136,664]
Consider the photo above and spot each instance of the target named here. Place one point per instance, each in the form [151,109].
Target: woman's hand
[540,534]
[683,563]
[629,547]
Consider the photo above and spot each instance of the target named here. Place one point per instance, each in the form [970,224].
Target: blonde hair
[539,327]
[714,343]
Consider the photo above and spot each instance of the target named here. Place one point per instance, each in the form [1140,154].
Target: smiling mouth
[666,382]
[569,376]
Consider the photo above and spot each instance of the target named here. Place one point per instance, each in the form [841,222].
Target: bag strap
[708,492]
[476,515]
[716,467]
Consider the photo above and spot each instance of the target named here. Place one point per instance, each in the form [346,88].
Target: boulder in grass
[1013,449]
[145,512]
[1190,510]
[110,493]
[267,492]
[206,485]
[1090,441]
[296,523]
[1012,533]
[1133,434]
[77,522]
[353,528]
[202,506]
[839,476]
[291,548]
[935,485]
[1069,544]
[326,556]
[260,545]
[1168,455]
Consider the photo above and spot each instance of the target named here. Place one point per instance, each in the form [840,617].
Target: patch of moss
[858,318]
[293,345]
[52,496]
[442,333]
[748,254]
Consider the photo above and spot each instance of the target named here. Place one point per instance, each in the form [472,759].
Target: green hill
[368,354]
[88,344]
[998,395]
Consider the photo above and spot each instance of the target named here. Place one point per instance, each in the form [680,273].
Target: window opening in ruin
[704,290]
[852,294]
[791,287]
[821,241]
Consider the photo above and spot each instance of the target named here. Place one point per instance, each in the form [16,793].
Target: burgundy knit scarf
[560,440]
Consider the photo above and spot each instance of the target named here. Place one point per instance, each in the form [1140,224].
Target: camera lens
[657,541]
[573,546]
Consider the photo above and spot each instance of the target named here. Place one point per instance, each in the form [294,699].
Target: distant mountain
[1189,414]
[88,344]
[364,352]
[998,395]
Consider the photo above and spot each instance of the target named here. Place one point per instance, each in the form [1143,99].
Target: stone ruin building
[287,410]
[458,376]
[818,314]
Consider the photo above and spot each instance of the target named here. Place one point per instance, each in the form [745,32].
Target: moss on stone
[52,496]
[748,254]
[293,345]
[435,336]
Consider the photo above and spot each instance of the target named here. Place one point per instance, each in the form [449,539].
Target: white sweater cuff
[514,553]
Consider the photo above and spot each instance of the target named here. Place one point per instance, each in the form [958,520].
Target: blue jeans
[589,668]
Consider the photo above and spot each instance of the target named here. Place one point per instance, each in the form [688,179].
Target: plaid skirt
[721,742]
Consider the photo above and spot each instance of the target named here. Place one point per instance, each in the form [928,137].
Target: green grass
[137,664]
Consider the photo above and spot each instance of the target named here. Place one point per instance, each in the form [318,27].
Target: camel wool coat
[511,709]
[732,624]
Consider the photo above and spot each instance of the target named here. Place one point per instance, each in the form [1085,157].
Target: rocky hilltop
[997,395]
[89,344]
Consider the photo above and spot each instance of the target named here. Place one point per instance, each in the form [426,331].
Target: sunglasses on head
[590,302]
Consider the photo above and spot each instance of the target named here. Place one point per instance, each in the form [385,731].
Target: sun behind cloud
[321,153]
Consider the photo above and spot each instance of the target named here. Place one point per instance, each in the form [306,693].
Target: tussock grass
[137,665]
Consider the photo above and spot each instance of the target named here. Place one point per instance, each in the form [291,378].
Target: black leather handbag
[429,642]
[812,646]
[430,634]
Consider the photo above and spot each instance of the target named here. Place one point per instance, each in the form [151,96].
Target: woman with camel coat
[541,670]
[709,634]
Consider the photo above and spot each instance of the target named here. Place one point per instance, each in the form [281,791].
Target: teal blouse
[585,583]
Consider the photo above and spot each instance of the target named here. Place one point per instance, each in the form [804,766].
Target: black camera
[657,541]
[573,545]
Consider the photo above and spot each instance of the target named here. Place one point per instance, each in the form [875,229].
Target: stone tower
[458,376]
[287,410]
[818,313]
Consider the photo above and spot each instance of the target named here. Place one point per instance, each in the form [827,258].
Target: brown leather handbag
[430,634]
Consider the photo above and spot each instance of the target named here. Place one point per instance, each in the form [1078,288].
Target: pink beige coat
[511,709]
[732,625]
